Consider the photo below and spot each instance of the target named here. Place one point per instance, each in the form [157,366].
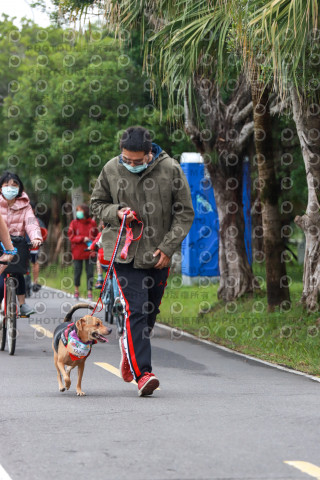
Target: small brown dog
[72,343]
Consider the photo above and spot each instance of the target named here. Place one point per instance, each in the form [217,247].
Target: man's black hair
[6,176]
[136,139]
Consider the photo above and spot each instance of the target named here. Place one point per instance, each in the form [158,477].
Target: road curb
[234,352]
[182,333]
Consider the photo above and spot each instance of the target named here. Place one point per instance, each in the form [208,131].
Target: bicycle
[110,296]
[9,312]
[113,307]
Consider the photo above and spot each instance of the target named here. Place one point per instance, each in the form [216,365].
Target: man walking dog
[150,187]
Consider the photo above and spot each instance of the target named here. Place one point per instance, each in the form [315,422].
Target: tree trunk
[308,128]
[276,276]
[257,231]
[236,277]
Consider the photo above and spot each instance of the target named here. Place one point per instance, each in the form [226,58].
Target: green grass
[289,337]
[61,278]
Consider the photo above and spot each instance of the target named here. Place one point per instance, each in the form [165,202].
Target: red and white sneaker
[124,368]
[147,384]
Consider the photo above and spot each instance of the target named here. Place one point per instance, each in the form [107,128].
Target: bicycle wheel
[118,315]
[107,298]
[11,315]
[3,331]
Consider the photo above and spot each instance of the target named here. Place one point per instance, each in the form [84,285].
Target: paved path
[216,415]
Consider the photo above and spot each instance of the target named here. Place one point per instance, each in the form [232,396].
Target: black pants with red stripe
[141,291]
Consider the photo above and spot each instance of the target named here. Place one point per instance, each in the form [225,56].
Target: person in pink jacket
[17,213]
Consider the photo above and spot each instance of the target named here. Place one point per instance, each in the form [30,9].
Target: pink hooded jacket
[20,218]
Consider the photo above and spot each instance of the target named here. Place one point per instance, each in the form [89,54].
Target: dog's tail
[76,307]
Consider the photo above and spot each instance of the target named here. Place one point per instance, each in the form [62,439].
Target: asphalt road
[216,415]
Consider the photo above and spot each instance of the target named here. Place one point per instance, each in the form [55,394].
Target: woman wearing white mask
[82,231]
[17,213]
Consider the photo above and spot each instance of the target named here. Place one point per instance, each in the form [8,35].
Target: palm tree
[276,277]
[200,30]
[292,47]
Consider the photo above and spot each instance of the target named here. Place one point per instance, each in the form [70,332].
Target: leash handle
[129,237]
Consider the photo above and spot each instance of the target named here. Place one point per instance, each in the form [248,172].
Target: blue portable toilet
[200,249]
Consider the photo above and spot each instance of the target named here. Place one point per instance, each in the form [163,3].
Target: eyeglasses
[136,161]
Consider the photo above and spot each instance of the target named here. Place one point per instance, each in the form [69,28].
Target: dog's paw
[62,389]
[80,394]
[67,383]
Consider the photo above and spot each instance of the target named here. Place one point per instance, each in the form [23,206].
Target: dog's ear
[80,323]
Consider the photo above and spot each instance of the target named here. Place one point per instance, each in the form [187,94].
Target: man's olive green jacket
[160,196]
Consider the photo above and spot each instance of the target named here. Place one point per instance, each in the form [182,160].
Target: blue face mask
[137,168]
[10,192]
[80,214]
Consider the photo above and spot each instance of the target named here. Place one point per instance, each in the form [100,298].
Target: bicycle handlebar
[30,246]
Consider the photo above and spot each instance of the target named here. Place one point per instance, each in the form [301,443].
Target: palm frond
[289,27]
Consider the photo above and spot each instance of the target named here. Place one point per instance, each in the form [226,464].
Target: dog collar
[76,348]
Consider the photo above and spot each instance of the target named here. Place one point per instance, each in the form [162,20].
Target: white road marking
[3,474]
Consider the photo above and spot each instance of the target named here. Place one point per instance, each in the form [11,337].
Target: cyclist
[18,215]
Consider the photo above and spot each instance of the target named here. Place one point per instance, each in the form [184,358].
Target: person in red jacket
[82,231]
